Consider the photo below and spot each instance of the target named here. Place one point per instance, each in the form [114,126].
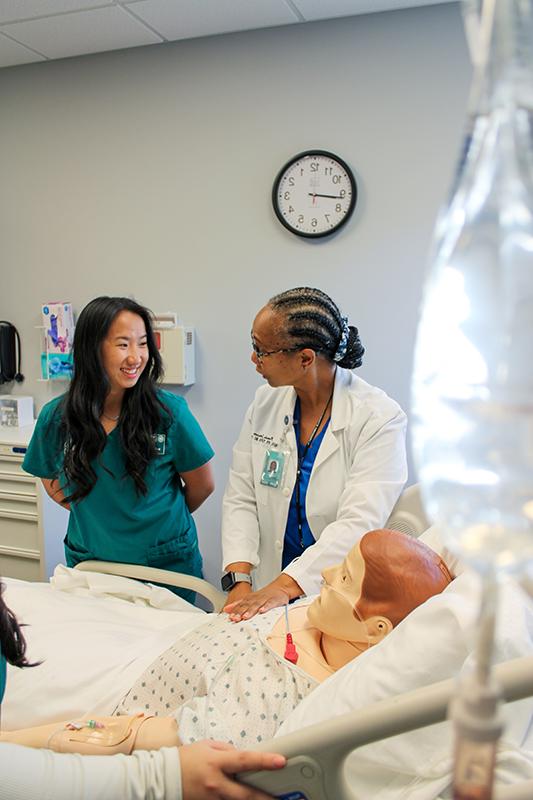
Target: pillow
[432,537]
[436,641]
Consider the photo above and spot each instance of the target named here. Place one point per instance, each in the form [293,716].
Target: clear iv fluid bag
[473,374]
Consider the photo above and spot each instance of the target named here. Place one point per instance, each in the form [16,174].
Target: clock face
[314,194]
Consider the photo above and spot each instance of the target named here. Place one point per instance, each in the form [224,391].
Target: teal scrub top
[115,523]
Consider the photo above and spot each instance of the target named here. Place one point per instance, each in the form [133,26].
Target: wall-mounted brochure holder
[176,346]
[57,333]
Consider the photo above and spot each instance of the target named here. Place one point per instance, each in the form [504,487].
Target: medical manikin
[382,579]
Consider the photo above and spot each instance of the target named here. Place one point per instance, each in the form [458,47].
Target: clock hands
[333,196]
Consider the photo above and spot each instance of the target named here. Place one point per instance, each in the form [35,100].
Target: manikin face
[279,367]
[334,612]
[125,351]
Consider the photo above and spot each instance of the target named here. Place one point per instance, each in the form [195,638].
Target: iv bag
[473,374]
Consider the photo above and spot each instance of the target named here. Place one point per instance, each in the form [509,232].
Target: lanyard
[299,468]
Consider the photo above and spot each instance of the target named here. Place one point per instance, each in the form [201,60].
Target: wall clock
[314,194]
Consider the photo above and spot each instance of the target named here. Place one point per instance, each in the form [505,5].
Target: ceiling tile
[109,28]
[318,9]
[12,53]
[15,10]
[191,18]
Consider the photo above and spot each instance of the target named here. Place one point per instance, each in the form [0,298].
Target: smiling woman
[127,458]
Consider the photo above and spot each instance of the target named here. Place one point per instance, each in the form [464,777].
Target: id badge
[273,468]
[160,441]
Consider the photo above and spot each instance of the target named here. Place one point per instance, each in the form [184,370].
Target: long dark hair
[83,436]
[311,319]
[12,641]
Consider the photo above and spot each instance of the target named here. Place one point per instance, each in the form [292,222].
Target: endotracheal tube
[473,380]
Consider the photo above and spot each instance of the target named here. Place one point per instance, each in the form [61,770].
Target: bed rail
[316,754]
[154,575]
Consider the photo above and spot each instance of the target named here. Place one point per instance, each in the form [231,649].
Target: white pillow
[435,642]
[432,537]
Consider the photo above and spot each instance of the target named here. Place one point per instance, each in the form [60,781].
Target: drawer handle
[16,476]
[23,497]
[19,552]
[7,513]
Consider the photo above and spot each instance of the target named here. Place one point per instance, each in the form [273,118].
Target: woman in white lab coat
[319,461]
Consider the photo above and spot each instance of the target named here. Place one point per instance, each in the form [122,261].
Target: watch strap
[242,577]
[229,579]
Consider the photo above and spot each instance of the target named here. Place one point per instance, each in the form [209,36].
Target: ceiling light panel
[190,18]
[94,31]
[12,53]
[16,10]
[318,9]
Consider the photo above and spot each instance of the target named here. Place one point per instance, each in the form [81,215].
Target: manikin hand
[277,593]
[208,767]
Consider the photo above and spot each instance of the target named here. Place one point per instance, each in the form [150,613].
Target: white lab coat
[359,472]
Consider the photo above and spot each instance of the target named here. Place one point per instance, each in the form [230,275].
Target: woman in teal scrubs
[127,458]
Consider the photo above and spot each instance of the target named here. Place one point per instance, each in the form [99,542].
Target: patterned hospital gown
[222,681]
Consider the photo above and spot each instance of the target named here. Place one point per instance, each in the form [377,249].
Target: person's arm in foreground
[204,770]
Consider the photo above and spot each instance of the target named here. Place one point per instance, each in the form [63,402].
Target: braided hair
[311,319]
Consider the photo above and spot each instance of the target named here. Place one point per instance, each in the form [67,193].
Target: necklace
[111,419]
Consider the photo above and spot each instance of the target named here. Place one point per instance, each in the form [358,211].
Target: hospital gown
[222,681]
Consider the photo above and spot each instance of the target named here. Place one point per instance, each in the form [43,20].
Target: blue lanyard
[301,458]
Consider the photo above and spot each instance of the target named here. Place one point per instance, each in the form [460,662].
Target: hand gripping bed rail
[316,755]
[154,575]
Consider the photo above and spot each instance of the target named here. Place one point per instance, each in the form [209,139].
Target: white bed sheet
[97,634]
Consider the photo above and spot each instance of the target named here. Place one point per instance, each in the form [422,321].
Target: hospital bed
[360,734]
[330,751]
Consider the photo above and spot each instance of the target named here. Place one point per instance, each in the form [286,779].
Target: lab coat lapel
[338,421]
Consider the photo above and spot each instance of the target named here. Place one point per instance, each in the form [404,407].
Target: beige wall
[149,172]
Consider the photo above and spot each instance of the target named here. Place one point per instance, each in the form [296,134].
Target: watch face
[314,194]
[227,582]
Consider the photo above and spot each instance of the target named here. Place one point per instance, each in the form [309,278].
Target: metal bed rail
[316,754]
[154,575]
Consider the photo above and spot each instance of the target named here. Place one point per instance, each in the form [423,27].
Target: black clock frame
[282,172]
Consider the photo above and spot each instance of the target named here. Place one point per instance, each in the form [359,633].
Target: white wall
[149,172]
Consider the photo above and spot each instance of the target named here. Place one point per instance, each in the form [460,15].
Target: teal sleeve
[189,444]
[44,457]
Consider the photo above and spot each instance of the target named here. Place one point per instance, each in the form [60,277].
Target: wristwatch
[229,579]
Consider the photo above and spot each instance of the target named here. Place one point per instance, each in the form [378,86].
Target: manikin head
[383,578]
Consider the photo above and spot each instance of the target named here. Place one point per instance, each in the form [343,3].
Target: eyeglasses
[260,354]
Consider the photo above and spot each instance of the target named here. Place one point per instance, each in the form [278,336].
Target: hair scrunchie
[343,344]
